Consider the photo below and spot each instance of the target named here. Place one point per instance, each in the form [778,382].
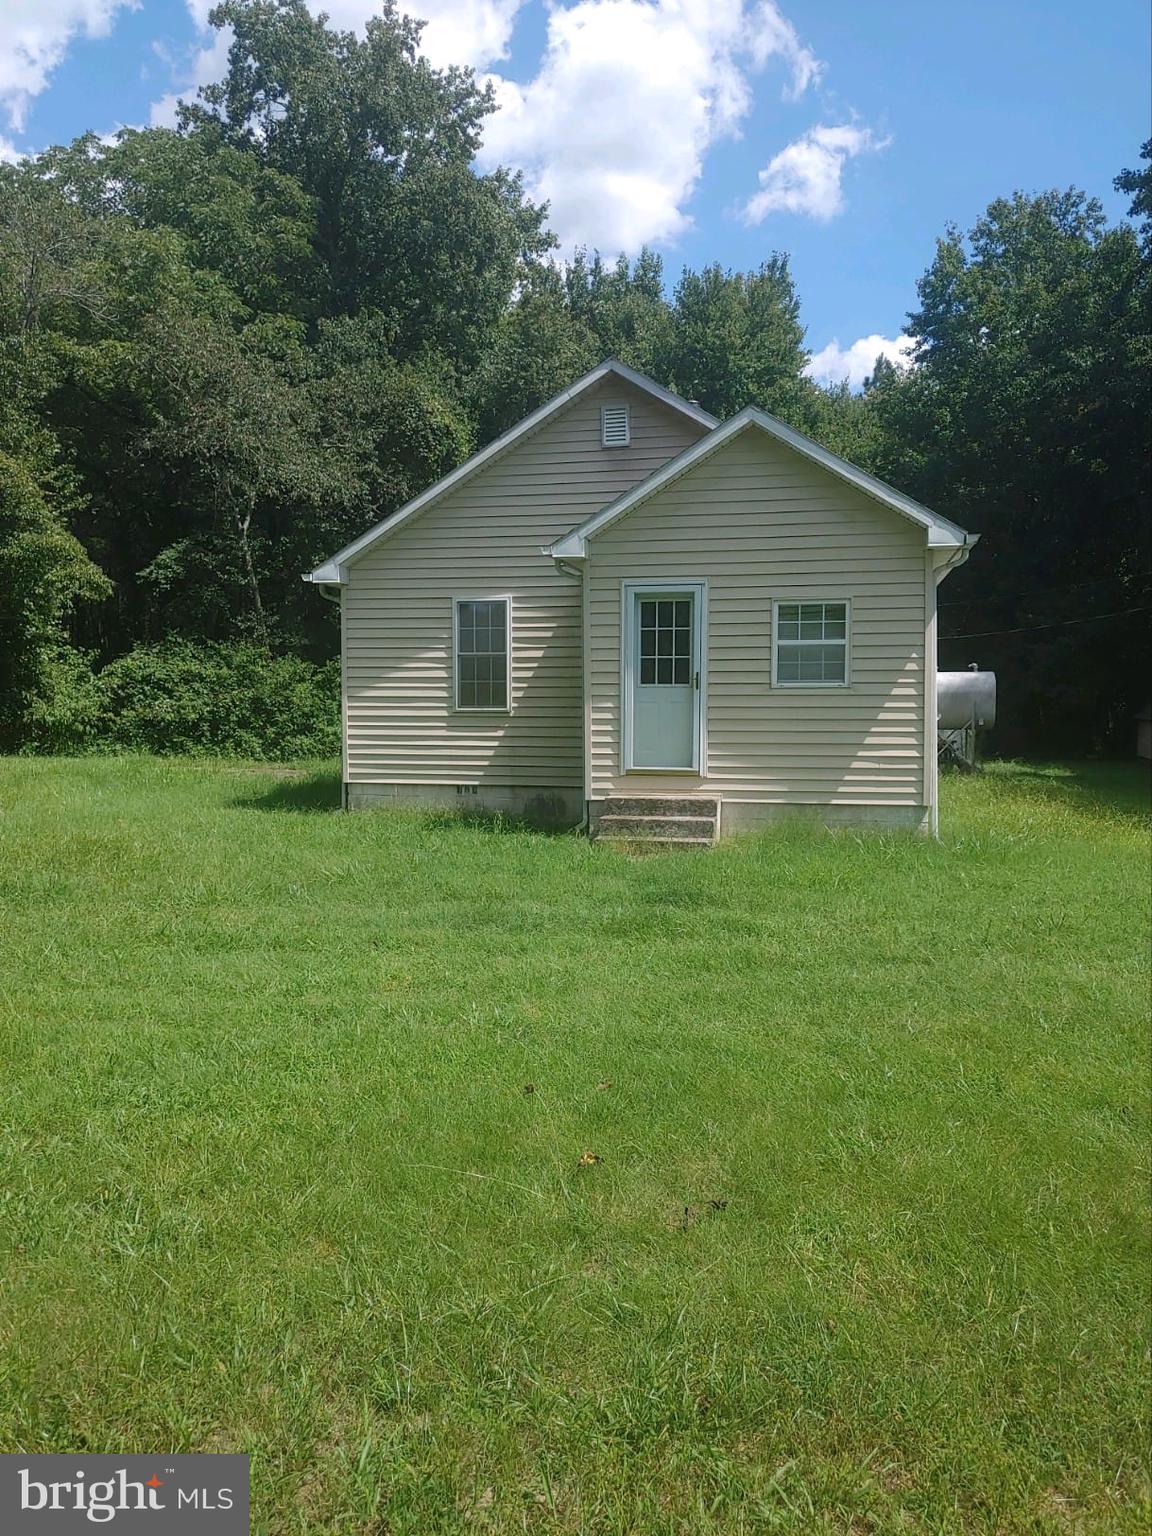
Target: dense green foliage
[46,687]
[217,700]
[228,348]
[1027,420]
[294,1120]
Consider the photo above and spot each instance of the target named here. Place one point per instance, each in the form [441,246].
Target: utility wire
[1023,629]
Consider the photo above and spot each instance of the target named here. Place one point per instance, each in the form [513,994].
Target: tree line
[227,348]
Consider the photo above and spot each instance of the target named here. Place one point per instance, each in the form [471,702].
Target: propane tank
[966,700]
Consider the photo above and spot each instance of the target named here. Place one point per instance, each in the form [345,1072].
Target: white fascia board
[942,534]
[334,570]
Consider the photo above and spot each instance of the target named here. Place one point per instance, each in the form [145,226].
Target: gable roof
[942,534]
[332,571]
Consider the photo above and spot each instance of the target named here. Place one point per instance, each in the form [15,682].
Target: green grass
[865,1251]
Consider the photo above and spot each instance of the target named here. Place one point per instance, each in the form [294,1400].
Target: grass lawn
[294,1111]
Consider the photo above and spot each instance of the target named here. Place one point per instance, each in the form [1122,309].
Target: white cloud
[475,32]
[805,177]
[630,95]
[34,37]
[209,64]
[9,154]
[775,34]
[834,363]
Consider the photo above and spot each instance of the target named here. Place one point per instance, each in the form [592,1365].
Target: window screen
[665,641]
[482,653]
[811,642]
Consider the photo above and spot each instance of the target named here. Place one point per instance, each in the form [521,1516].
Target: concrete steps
[680,823]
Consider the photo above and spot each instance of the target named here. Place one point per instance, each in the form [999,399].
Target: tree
[738,339]
[238,441]
[537,348]
[624,308]
[45,685]
[248,224]
[1138,184]
[47,252]
[383,146]
[1026,418]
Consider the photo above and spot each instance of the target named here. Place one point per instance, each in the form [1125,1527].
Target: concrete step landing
[659,821]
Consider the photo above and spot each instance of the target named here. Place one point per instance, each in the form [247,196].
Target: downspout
[955,559]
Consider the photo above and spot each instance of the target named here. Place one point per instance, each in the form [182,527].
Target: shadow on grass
[312,792]
[1111,790]
[496,822]
[292,791]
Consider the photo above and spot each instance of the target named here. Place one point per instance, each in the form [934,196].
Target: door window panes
[665,641]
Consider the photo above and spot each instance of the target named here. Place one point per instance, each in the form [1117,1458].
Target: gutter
[958,556]
[565,566]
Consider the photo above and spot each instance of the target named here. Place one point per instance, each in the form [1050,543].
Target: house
[623,608]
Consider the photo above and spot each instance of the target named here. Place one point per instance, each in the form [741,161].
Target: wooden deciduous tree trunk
[243,523]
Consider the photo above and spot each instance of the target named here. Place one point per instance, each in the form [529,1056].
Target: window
[810,645]
[614,426]
[482,652]
[665,640]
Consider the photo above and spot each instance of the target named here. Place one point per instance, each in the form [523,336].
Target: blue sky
[845,133]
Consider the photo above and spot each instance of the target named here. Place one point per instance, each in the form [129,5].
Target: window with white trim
[810,645]
[615,428]
[482,649]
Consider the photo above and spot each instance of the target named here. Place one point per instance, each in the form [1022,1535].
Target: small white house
[623,608]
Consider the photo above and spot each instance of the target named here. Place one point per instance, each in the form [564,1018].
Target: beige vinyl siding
[485,540]
[759,523]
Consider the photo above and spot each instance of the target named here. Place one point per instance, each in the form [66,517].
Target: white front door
[662,676]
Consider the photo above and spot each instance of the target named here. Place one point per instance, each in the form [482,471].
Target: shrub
[46,692]
[62,714]
[207,699]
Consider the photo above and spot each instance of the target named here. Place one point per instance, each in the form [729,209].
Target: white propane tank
[965,700]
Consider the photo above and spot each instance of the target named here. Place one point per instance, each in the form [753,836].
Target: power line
[1023,629]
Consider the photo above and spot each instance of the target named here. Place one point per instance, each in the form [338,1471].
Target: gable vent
[614,432]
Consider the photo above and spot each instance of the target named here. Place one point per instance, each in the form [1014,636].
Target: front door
[663,670]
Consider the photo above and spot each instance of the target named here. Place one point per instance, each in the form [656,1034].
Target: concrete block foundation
[536,805]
